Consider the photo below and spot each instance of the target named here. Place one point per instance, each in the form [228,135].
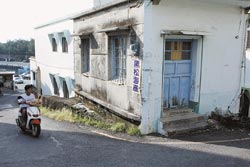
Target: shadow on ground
[61,148]
[234,137]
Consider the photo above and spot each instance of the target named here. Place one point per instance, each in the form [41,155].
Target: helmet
[28,86]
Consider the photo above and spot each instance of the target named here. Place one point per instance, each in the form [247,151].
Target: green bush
[119,127]
[67,115]
[134,131]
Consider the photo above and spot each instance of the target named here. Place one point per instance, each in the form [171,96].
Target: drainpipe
[202,41]
[162,82]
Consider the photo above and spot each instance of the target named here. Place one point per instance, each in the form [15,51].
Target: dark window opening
[34,76]
[54,45]
[64,45]
[56,90]
[65,90]
[85,51]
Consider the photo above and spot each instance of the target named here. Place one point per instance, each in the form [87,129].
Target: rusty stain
[119,23]
[175,101]
[131,108]
[165,103]
[99,93]
[86,30]
[183,102]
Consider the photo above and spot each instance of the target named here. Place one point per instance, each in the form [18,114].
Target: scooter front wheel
[36,129]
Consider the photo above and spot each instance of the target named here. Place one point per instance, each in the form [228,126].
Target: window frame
[118,72]
[85,61]
[178,47]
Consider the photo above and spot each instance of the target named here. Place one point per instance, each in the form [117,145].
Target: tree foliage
[21,48]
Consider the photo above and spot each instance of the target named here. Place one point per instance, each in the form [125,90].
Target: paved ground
[68,145]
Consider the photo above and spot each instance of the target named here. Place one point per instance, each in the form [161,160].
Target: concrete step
[180,121]
[186,129]
[174,112]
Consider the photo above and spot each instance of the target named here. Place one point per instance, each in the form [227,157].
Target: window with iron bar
[118,57]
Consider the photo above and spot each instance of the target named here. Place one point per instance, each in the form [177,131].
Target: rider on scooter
[25,100]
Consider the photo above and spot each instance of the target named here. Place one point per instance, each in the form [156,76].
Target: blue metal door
[177,73]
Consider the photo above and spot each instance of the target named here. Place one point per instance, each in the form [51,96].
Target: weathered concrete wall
[221,53]
[60,64]
[97,82]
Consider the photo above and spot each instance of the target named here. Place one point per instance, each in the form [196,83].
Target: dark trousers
[23,111]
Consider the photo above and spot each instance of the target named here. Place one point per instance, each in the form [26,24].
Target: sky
[19,17]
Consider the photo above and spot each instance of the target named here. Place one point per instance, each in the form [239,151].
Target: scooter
[33,122]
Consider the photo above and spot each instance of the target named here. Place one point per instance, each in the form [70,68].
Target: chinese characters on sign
[137,76]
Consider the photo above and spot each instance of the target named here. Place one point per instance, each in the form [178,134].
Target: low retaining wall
[58,103]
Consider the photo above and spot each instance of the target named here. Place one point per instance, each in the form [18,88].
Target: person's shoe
[23,122]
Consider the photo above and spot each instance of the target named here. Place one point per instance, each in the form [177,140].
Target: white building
[53,65]
[52,70]
[141,59]
[211,78]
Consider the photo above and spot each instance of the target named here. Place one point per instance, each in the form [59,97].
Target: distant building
[52,70]
[6,79]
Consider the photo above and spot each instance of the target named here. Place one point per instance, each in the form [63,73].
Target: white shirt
[31,97]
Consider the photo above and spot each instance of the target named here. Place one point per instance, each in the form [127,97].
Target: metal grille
[119,57]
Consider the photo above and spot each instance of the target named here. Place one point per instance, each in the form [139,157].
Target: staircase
[178,121]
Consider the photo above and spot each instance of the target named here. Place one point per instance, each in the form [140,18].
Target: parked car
[25,75]
[18,80]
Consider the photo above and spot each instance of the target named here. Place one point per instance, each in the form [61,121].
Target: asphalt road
[64,144]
